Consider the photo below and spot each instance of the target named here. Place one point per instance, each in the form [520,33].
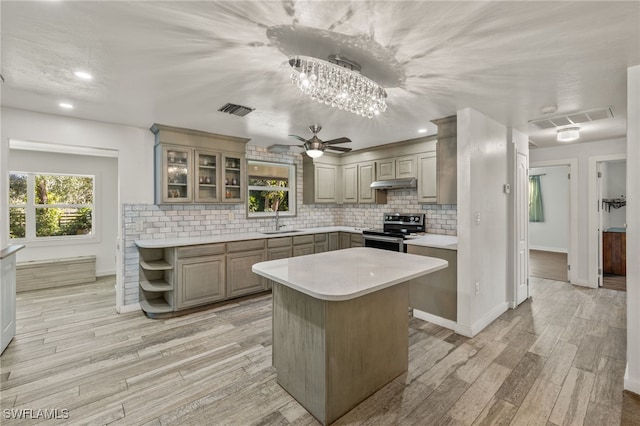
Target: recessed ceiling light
[422,130]
[65,105]
[568,134]
[83,75]
[549,109]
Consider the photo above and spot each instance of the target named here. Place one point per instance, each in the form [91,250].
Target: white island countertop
[349,273]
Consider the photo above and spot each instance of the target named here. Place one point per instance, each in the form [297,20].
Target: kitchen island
[340,324]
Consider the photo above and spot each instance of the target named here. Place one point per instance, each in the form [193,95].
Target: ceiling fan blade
[339,140]
[338,148]
[298,137]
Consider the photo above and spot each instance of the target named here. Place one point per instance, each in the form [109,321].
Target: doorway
[549,219]
[612,224]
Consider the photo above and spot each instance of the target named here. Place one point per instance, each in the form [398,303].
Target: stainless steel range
[395,229]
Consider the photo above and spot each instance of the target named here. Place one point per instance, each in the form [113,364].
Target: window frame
[291,189]
[31,207]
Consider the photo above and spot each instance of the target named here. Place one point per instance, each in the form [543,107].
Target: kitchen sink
[281,231]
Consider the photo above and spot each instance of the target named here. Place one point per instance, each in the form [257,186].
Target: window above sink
[271,188]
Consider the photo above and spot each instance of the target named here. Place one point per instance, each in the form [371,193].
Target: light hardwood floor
[558,359]
[549,265]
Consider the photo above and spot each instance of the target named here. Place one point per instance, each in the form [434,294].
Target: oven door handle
[382,238]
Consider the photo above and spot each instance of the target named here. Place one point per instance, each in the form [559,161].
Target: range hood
[409,183]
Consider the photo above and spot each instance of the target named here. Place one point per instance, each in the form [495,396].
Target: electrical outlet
[139,226]
[230,215]
[477,288]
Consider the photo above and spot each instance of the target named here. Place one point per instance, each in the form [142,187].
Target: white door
[522,227]
[600,221]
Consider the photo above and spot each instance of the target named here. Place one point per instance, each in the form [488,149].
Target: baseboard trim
[125,309]
[442,322]
[105,273]
[551,249]
[488,318]
[631,385]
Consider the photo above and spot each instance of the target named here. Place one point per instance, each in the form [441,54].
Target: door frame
[572,250]
[595,256]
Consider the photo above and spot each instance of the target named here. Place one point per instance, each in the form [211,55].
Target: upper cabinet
[427,178]
[193,166]
[447,160]
[396,168]
[366,176]
[320,180]
[350,183]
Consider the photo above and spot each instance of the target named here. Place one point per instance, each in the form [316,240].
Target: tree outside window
[271,189]
[50,205]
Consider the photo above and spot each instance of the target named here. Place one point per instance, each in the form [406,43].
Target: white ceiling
[176,63]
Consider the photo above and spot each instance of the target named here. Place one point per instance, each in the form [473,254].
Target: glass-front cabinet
[192,166]
[207,166]
[176,175]
[233,178]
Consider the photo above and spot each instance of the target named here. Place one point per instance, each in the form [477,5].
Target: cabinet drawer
[302,239]
[279,242]
[201,250]
[320,238]
[245,245]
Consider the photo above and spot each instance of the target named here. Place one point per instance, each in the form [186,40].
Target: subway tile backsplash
[149,221]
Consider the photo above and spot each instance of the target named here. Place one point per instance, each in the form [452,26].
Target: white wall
[614,186]
[632,375]
[134,148]
[106,212]
[482,220]
[580,154]
[553,233]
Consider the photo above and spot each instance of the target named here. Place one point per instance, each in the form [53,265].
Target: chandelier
[338,83]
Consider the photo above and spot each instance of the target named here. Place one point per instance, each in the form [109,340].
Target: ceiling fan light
[314,153]
[568,134]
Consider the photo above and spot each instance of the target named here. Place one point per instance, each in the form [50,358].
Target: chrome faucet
[278,226]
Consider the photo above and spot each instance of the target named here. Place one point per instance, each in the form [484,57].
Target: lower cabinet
[201,280]
[303,245]
[356,240]
[334,241]
[321,244]
[345,240]
[241,279]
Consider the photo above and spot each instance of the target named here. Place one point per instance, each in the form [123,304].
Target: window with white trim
[271,188]
[49,205]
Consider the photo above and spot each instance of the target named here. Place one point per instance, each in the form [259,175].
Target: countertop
[212,239]
[349,273]
[10,250]
[449,242]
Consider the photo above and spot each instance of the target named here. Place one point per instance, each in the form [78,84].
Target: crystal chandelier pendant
[338,83]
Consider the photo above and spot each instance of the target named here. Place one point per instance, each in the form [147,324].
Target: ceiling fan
[315,147]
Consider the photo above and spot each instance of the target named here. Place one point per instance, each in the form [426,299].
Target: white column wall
[632,375]
[482,221]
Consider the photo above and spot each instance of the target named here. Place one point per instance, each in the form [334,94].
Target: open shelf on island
[155,285]
[155,306]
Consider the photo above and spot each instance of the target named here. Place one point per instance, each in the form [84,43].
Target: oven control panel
[404,219]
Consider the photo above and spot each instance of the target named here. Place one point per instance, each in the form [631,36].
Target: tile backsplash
[149,221]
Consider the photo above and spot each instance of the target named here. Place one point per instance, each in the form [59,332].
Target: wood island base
[331,355]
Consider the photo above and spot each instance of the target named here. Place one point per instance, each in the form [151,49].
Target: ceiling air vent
[574,118]
[234,109]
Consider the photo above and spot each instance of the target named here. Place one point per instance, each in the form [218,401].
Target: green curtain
[536,213]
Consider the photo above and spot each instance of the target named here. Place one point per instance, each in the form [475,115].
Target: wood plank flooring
[557,359]
[548,264]
[614,282]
